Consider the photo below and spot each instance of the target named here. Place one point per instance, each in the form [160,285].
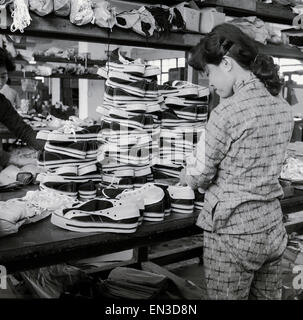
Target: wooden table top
[43,243]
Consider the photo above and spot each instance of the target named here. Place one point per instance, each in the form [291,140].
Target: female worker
[10,117]
[245,144]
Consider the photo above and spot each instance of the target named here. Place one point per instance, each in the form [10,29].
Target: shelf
[20,74]
[74,61]
[281,51]
[264,11]
[61,28]
[46,59]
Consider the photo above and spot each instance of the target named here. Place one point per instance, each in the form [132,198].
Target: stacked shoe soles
[182,122]
[70,160]
[130,122]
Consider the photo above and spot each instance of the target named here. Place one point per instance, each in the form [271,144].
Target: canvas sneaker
[43,134]
[134,122]
[92,149]
[183,102]
[71,170]
[151,71]
[64,188]
[194,112]
[85,134]
[183,85]
[154,208]
[99,215]
[168,90]
[87,190]
[121,183]
[72,149]
[120,77]
[118,62]
[114,94]
[52,160]
[140,88]
[114,193]
[167,203]
[182,199]
[140,181]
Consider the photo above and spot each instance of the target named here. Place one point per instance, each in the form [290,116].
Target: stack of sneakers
[130,121]
[182,122]
[70,161]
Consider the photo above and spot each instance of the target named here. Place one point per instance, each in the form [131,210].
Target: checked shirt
[245,144]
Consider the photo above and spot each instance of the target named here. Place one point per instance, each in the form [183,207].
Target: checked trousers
[244,266]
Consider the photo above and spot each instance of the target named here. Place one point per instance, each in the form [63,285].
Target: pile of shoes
[70,160]
[33,207]
[130,121]
[122,211]
[182,122]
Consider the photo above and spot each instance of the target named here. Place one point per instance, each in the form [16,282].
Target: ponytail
[266,70]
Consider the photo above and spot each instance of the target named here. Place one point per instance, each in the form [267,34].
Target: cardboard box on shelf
[192,18]
[191,15]
[210,18]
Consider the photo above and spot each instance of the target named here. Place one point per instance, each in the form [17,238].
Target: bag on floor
[62,7]
[50,282]
[41,7]
[133,284]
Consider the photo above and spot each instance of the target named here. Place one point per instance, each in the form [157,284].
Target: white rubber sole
[127,68]
[79,226]
[62,137]
[153,217]
[179,211]
[182,102]
[151,71]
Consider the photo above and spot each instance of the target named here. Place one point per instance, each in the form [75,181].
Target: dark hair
[228,39]
[6,60]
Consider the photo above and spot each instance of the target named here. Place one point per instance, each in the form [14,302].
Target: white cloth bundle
[81,12]
[62,7]
[41,7]
[104,15]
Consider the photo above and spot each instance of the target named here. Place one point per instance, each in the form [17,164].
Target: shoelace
[21,16]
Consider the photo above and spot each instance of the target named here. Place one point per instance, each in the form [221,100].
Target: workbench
[42,243]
